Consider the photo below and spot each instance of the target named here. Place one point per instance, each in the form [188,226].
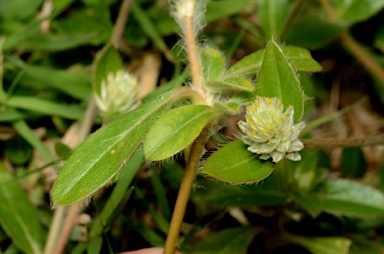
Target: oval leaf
[277,79]
[301,59]
[212,64]
[98,159]
[175,130]
[18,217]
[357,10]
[322,245]
[248,65]
[215,194]
[230,84]
[235,164]
[350,198]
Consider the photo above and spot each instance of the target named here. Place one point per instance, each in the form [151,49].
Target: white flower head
[271,133]
[117,94]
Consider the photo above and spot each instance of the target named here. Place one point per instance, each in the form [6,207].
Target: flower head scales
[270,132]
[117,94]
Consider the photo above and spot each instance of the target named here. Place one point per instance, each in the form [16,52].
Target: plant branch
[188,17]
[184,192]
[349,142]
[328,9]
[288,21]
[71,219]
[118,30]
[362,55]
[54,230]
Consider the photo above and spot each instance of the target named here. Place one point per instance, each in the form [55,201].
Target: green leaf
[354,11]
[62,151]
[278,79]
[353,162]
[215,193]
[76,85]
[45,107]
[301,59]
[94,245]
[18,217]
[151,236]
[309,203]
[306,173]
[160,193]
[98,159]
[27,133]
[175,130]
[61,4]
[10,114]
[272,15]
[235,164]
[18,9]
[249,64]
[227,241]
[108,62]
[92,19]
[230,85]
[119,196]
[322,245]
[148,26]
[362,244]
[18,151]
[220,9]
[313,32]
[379,39]
[161,222]
[56,42]
[350,198]
[212,64]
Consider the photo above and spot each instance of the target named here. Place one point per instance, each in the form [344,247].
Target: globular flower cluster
[271,133]
[117,94]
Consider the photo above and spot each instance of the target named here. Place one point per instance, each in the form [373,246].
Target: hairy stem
[356,141]
[184,192]
[192,48]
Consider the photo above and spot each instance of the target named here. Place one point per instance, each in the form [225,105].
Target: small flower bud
[271,133]
[117,94]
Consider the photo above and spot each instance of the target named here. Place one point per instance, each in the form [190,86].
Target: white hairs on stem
[185,10]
